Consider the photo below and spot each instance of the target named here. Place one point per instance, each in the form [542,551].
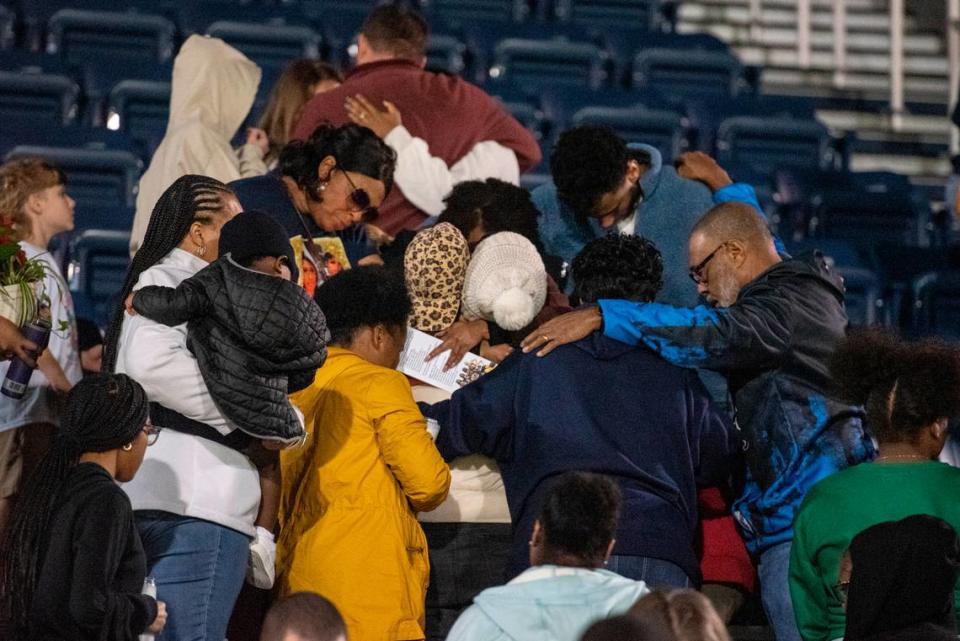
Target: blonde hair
[20,179]
[292,91]
[688,613]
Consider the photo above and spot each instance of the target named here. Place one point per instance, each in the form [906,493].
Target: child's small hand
[128,305]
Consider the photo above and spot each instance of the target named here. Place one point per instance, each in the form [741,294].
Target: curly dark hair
[355,148]
[496,205]
[904,387]
[618,266]
[587,162]
[580,516]
[363,297]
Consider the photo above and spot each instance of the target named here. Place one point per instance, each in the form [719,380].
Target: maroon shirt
[447,112]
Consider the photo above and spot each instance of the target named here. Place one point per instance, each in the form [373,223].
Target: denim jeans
[656,573]
[774,573]
[199,567]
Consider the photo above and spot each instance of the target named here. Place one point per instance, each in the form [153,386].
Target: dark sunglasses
[696,272]
[361,199]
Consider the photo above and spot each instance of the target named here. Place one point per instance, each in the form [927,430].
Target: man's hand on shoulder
[564,329]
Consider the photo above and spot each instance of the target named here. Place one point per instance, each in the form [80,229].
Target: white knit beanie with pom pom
[506,282]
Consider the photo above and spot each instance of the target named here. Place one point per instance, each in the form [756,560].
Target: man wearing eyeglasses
[603,185]
[770,329]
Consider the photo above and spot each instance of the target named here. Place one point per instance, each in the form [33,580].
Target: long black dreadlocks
[104,412]
[191,199]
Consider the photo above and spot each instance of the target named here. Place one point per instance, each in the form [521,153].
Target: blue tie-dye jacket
[773,346]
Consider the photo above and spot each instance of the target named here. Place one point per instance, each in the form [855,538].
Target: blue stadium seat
[271,46]
[554,63]
[687,73]
[465,12]
[525,106]
[7,33]
[769,142]
[447,54]
[35,62]
[140,108]
[656,127]
[936,304]
[97,268]
[862,297]
[871,207]
[632,15]
[30,100]
[110,47]
[102,181]
[103,37]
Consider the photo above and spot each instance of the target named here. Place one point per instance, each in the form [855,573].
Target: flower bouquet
[21,279]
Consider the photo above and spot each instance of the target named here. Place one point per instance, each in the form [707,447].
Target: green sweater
[843,505]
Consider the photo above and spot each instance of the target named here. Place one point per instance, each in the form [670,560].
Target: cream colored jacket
[212,90]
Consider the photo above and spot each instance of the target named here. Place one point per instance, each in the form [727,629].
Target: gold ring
[546,339]
[362,116]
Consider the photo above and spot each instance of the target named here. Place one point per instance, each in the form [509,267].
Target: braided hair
[191,199]
[104,412]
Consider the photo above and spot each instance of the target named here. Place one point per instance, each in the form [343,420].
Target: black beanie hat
[251,234]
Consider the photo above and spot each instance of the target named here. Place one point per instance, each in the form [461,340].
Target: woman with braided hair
[71,565]
[197,496]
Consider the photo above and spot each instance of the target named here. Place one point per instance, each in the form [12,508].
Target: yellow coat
[350,495]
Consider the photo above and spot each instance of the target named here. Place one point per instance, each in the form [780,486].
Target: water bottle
[150,589]
[19,373]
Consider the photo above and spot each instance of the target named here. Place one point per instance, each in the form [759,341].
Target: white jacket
[212,90]
[183,474]
[476,493]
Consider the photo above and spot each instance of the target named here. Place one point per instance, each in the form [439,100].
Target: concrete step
[873,126]
[771,37]
[786,17]
[792,81]
[909,165]
[861,6]
[934,67]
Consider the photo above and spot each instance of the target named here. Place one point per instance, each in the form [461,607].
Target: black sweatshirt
[93,565]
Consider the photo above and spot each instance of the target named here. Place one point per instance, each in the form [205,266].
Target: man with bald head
[770,328]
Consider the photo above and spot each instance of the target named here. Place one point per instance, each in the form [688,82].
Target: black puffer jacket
[257,339]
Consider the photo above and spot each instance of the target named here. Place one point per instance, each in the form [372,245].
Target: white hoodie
[212,90]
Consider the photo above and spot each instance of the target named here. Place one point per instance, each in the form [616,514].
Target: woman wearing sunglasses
[72,565]
[327,186]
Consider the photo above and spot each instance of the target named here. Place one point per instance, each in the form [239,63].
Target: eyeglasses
[361,199]
[152,432]
[841,590]
[696,272]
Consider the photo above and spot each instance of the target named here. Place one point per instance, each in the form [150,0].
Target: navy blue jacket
[773,345]
[597,405]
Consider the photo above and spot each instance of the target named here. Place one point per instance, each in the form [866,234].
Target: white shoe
[261,568]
